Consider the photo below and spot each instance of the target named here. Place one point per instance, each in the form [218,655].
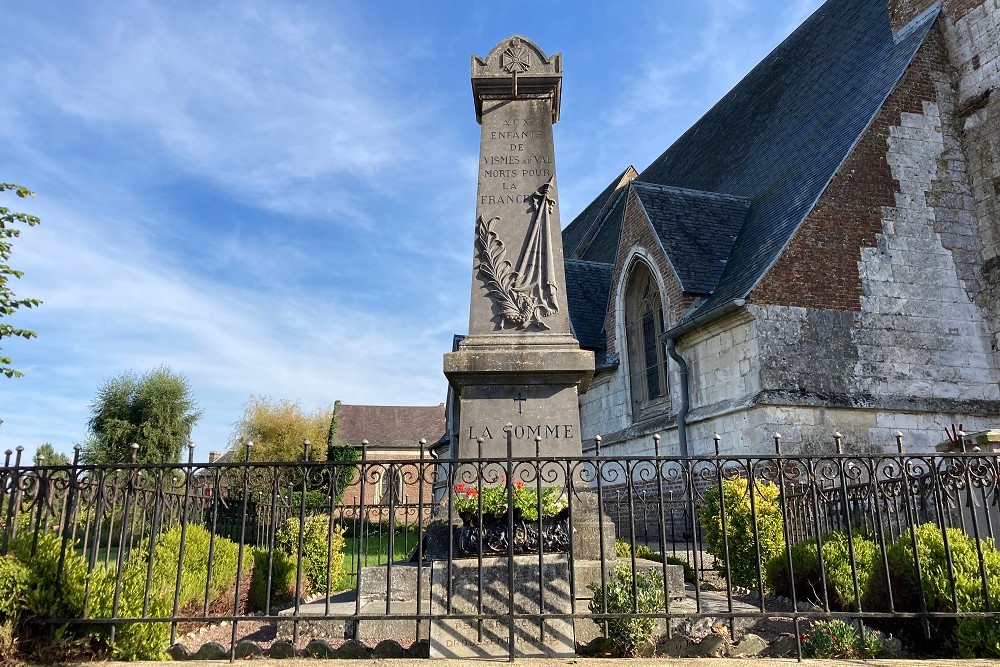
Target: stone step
[398,583]
[372,631]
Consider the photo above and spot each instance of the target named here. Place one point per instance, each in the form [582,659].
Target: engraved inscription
[528,432]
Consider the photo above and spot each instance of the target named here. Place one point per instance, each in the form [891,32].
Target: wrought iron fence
[502,555]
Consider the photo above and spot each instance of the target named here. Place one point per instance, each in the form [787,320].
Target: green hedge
[32,587]
[282,591]
[318,541]
[969,636]
[628,633]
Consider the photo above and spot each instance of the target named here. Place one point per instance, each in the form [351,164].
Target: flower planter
[553,533]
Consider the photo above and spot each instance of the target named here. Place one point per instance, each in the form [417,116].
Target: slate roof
[696,230]
[575,233]
[603,247]
[390,425]
[780,135]
[588,286]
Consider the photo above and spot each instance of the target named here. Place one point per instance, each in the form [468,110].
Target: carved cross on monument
[519,399]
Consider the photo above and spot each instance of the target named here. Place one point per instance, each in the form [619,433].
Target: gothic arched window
[643,328]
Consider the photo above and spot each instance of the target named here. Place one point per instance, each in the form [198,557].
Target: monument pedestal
[470,587]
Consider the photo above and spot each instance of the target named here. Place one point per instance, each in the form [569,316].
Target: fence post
[189,473]
[239,554]
[301,549]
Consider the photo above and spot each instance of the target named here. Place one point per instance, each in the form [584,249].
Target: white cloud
[265,102]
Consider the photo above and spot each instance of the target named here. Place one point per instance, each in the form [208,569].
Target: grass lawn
[375,552]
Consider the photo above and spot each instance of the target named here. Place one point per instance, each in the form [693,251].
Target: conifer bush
[317,542]
[743,527]
[627,632]
[808,575]
[970,636]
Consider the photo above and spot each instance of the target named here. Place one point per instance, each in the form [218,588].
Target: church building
[817,254]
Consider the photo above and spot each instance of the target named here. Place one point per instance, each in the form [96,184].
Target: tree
[8,302]
[277,429]
[51,456]
[156,411]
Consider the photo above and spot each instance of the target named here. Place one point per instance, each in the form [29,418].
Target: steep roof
[390,425]
[603,245]
[588,288]
[575,234]
[780,135]
[696,230]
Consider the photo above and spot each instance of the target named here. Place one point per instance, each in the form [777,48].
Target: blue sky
[278,198]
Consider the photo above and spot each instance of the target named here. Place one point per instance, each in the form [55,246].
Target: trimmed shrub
[282,590]
[623,549]
[317,542]
[13,586]
[628,633]
[971,636]
[740,528]
[837,565]
[46,593]
[147,641]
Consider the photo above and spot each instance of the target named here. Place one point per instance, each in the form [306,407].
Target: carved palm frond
[499,278]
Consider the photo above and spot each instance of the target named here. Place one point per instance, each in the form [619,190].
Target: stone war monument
[520,364]
[518,374]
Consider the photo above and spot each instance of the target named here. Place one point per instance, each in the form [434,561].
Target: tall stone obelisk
[520,364]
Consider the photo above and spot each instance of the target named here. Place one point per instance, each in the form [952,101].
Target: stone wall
[972,34]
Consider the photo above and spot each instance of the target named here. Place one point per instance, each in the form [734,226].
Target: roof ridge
[369,405]
[588,261]
[708,194]
[917,22]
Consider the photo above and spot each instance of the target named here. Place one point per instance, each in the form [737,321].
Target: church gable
[695,229]
[639,241]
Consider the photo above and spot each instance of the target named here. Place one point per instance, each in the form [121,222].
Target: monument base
[471,587]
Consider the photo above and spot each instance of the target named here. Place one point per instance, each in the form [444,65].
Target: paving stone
[247,649]
[388,648]
[419,649]
[179,652]
[713,646]
[320,648]
[750,645]
[784,646]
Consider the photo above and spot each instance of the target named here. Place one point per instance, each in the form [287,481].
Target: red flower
[519,484]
